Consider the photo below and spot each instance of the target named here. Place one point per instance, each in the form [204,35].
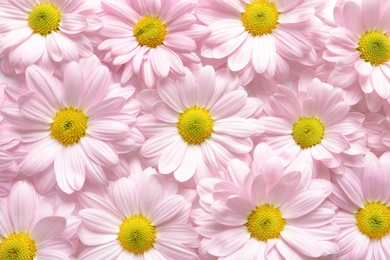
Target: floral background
[184,129]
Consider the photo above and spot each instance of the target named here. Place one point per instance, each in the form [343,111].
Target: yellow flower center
[260,17]
[69,126]
[195,125]
[136,234]
[150,31]
[374,47]
[44,18]
[308,132]
[265,222]
[18,246]
[374,220]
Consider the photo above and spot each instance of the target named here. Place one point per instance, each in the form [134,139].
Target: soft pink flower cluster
[194,129]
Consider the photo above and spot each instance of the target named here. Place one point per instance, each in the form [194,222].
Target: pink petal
[205,88]
[284,188]
[44,83]
[35,162]
[105,251]
[22,201]
[107,129]
[379,82]
[172,155]
[335,142]
[167,90]
[229,241]
[99,221]
[69,167]
[179,43]
[371,14]
[239,59]
[234,145]
[154,146]
[165,113]
[73,84]
[187,89]
[352,16]
[125,198]
[101,152]
[48,227]
[189,164]
[235,127]
[373,181]
[159,62]
[153,192]
[73,23]
[229,104]
[96,86]
[302,203]
[301,241]
[36,109]
[166,210]
[31,55]
[121,10]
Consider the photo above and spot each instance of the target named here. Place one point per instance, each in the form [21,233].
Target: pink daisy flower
[150,38]
[364,210]
[195,121]
[76,127]
[272,214]
[31,228]
[138,218]
[314,125]
[259,36]
[360,48]
[45,32]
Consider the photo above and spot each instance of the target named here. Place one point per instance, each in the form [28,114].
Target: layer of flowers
[185,129]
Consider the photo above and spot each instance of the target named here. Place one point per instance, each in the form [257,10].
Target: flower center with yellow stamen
[260,17]
[17,246]
[44,18]
[136,234]
[374,48]
[150,31]
[69,126]
[265,222]
[195,125]
[374,220]
[308,132]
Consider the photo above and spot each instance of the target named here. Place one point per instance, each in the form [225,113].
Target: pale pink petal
[235,127]
[172,155]
[373,181]
[302,203]
[102,106]
[41,156]
[315,219]
[206,85]
[260,55]
[179,43]
[352,187]
[31,55]
[231,217]
[352,15]
[234,145]
[172,250]
[14,37]
[229,241]
[96,86]
[105,251]
[171,231]
[95,238]
[100,152]
[48,227]
[41,81]
[165,113]
[22,202]
[178,10]
[239,59]
[187,89]
[301,241]
[159,62]
[284,188]
[229,104]
[335,142]
[152,193]
[154,146]
[380,82]
[69,167]
[189,164]
[73,84]
[167,90]
[107,130]
[99,221]
[125,198]
[286,5]
[121,10]
[36,109]
[166,210]
[229,46]
[73,23]
[225,30]
[319,152]
[371,14]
